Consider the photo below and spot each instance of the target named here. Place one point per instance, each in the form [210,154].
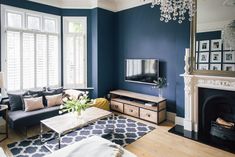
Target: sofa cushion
[15,100]
[51,91]
[37,93]
[31,104]
[20,118]
[54,100]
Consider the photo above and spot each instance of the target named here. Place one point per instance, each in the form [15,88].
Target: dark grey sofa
[19,119]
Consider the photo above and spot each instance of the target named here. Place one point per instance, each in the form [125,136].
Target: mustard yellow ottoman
[102,103]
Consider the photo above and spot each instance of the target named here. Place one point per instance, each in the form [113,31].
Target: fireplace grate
[222,132]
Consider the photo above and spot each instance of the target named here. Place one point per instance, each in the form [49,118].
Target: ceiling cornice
[112,5]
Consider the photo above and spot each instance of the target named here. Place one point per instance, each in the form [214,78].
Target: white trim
[179,121]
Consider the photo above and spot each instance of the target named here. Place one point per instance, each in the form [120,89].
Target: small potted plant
[159,84]
[76,106]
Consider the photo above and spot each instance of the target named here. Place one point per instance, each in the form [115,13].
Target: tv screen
[141,70]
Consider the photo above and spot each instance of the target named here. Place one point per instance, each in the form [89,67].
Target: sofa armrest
[5,101]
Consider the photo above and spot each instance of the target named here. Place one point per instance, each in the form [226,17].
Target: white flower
[60,112]
[86,92]
[83,102]
[61,106]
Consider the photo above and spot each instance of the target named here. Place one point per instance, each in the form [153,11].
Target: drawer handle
[131,110]
[148,115]
[116,106]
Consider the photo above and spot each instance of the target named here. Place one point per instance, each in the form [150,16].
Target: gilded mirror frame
[193,71]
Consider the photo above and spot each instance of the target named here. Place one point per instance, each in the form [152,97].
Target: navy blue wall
[106,49]
[140,34]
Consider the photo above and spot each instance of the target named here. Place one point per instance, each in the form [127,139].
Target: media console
[133,104]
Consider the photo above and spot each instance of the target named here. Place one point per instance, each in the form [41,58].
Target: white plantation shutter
[28,61]
[41,60]
[75,52]
[30,56]
[53,58]
[13,60]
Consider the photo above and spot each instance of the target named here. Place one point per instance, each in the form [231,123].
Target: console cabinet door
[117,106]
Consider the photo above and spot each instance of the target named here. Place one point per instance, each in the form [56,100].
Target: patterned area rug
[126,131]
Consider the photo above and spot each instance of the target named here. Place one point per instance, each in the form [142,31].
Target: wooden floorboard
[158,143]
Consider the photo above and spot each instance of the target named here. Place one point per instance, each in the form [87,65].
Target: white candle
[187,52]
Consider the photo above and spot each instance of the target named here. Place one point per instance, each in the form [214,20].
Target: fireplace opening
[218,117]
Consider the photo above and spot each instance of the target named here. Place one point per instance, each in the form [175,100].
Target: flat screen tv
[141,70]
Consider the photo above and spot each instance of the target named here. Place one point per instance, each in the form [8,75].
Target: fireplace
[206,99]
[217,114]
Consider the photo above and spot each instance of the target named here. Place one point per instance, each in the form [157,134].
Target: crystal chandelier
[228,35]
[175,9]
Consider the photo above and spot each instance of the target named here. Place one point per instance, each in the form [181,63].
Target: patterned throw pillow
[54,100]
[31,104]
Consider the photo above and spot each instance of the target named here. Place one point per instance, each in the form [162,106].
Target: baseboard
[179,121]
[170,116]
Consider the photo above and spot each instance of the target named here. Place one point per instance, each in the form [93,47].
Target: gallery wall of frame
[211,54]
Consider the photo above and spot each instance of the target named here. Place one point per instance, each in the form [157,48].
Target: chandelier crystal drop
[175,9]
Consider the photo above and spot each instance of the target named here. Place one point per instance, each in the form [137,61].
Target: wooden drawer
[117,106]
[131,110]
[148,115]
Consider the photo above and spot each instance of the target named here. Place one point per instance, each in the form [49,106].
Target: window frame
[66,20]
[4,28]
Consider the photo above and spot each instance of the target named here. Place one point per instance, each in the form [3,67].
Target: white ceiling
[113,5]
[212,14]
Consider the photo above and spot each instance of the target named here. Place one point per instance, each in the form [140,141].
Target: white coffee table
[66,123]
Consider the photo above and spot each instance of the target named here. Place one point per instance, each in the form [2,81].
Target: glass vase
[160,92]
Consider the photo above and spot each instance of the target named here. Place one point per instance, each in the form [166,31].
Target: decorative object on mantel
[76,106]
[175,9]
[159,84]
[187,61]
[228,35]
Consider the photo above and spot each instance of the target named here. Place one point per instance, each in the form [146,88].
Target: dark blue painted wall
[106,49]
[140,34]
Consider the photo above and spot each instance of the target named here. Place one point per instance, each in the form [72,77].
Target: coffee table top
[67,122]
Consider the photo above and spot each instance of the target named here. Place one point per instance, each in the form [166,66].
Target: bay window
[30,49]
[75,52]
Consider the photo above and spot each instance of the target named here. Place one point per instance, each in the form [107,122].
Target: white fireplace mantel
[191,85]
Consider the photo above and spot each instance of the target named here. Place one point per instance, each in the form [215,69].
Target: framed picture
[215,67]
[197,46]
[204,45]
[229,57]
[204,57]
[216,57]
[229,67]
[216,45]
[203,67]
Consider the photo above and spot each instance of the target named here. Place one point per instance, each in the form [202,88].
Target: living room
[142,78]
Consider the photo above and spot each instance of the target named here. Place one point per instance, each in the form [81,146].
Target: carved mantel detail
[192,83]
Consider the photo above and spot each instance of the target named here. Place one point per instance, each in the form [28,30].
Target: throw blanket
[93,147]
